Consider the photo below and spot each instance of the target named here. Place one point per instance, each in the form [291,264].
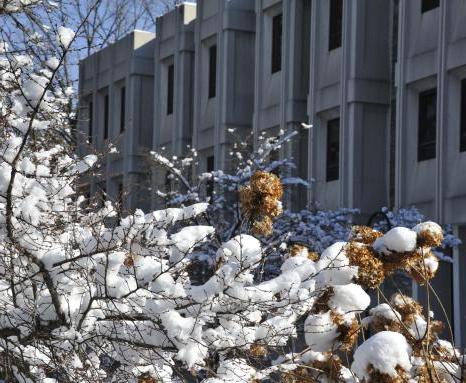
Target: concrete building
[431,129]
[383,82]
[349,103]
[224,47]
[173,86]
[282,76]
[116,87]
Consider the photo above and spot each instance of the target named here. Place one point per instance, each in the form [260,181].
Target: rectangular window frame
[426,146]
[277,42]
[335,23]
[212,71]
[170,88]
[332,167]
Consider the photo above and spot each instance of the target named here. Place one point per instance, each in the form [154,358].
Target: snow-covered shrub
[88,299]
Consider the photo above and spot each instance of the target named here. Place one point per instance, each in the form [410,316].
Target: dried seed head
[258,350]
[378,377]
[364,234]
[129,261]
[371,272]
[429,234]
[348,331]
[260,201]
[146,378]
[262,227]
[267,184]
[425,269]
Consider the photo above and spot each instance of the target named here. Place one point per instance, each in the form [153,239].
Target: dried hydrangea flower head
[258,350]
[429,234]
[364,234]
[302,250]
[147,378]
[371,271]
[261,201]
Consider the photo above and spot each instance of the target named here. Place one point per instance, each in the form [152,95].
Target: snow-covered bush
[86,298]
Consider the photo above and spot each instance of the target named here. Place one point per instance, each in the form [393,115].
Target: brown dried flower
[260,201]
[267,184]
[258,350]
[146,378]
[348,331]
[429,234]
[264,226]
[364,234]
[129,261]
[371,271]
[378,377]
[298,375]
[298,249]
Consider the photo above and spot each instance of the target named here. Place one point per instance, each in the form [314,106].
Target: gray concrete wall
[351,83]
[390,52]
[128,63]
[432,54]
[230,26]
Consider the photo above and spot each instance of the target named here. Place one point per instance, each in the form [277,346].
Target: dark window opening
[210,165]
[212,71]
[122,109]
[428,5]
[170,88]
[106,116]
[463,117]
[335,24]
[91,117]
[427,122]
[277,43]
[333,149]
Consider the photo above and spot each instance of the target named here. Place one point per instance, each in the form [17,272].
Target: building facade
[383,83]
[116,87]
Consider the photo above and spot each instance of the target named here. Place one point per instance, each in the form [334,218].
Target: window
[428,5]
[212,70]
[427,125]
[463,117]
[106,116]
[91,112]
[170,88]
[333,149]
[210,165]
[277,43]
[335,24]
[122,109]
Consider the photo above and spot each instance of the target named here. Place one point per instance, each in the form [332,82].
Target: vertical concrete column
[258,68]
[400,76]
[311,102]
[442,91]
[223,71]
[346,134]
[197,76]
